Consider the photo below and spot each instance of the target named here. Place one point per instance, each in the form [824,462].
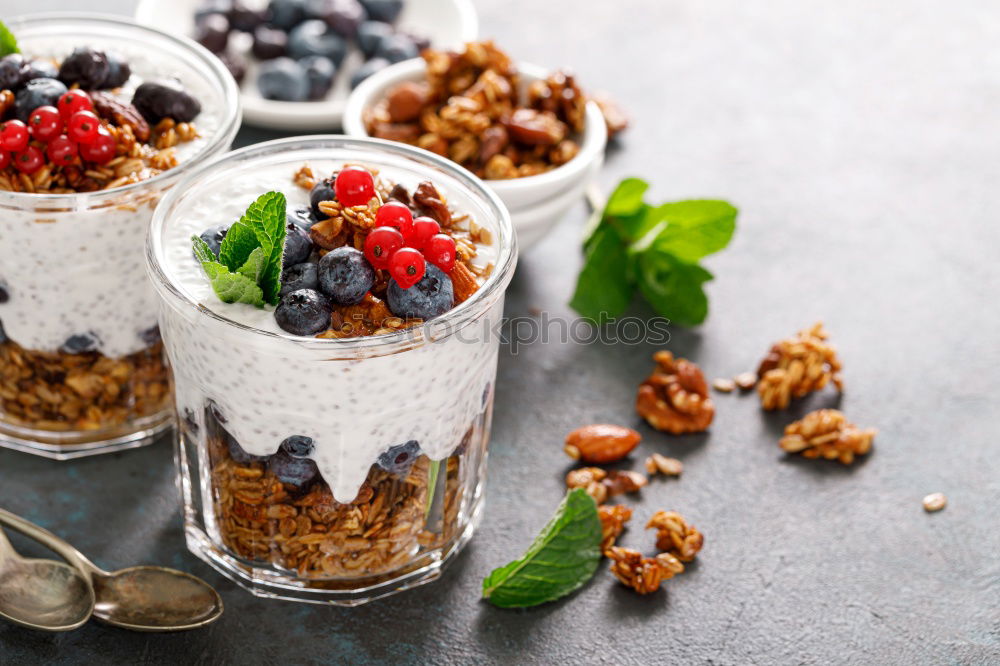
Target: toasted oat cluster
[797,366]
[675,536]
[642,574]
[470,110]
[613,519]
[60,391]
[674,398]
[826,433]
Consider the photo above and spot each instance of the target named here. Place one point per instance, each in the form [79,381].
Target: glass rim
[223,137]
[455,319]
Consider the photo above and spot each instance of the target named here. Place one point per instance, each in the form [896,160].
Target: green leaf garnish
[8,43]
[632,246]
[561,559]
[250,254]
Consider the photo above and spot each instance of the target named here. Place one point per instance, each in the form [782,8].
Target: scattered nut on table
[601,443]
[935,502]
[797,366]
[661,464]
[675,397]
[723,385]
[826,433]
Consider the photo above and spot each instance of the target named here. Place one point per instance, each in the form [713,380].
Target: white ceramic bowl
[536,203]
[447,23]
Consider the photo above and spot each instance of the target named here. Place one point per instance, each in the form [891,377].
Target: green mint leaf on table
[561,559]
[228,286]
[633,246]
[8,43]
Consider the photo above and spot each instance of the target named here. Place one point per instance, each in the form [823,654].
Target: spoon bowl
[148,598]
[42,594]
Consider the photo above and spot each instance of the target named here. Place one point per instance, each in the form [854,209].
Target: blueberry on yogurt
[11,71]
[400,458]
[302,216]
[345,275]
[299,276]
[80,344]
[298,245]
[431,296]
[36,93]
[39,69]
[165,98]
[303,312]
[86,67]
[321,191]
[213,237]
[298,446]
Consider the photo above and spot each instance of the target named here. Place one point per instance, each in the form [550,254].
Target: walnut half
[675,397]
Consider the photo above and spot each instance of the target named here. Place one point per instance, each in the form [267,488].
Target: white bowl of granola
[536,202]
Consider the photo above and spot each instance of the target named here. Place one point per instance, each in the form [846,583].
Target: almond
[463,281]
[601,443]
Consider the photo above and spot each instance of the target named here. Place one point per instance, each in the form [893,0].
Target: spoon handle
[49,540]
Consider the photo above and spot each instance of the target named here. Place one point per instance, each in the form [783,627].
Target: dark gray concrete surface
[860,142]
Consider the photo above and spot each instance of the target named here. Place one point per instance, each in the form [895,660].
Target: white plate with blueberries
[297,60]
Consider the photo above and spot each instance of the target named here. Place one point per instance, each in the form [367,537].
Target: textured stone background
[860,141]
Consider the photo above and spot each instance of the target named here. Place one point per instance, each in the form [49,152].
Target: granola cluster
[60,392]
[797,366]
[674,398]
[642,574]
[470,110]
[826,433]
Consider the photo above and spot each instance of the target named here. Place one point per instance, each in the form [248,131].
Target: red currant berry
[14,136]
[423,229]
[395,214]
[83,127]
[407,266]
[380,244]
[354,187]
[45,123]
[73,101]
[440,251]
[4,159]
[101,150]
[29,161]
[62,151]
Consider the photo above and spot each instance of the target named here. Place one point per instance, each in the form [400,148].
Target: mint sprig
[8,43]
[561,559]
[633,246]
[248,268]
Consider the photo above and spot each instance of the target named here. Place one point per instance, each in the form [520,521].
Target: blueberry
[320,72]
[298,446]
[283,79]
[212,32]
[302,216]
[431,296]
[165,98]
[269,43]
[80,343]
[299,276]
[286,14]
[213,237]
[212,8]
[36,93]
[373,66]
[237,453]
[321,191]
[297,472]
[397,48]
[244,18]
[303,312]
[316,38]
[3,334]
[386,11]
[39,69]
[11,71]
[86,67]
[400,458]
[150,336]
[298,245]
[371,34]
[343,16]
[119,70]
[236,64]
[345,275]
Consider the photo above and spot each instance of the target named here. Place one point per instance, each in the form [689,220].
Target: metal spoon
[143,598]
[42,594]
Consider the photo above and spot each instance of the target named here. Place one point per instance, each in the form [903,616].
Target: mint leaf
[673,287]
[695,228]
[603,288]
[229,287]
[561,559]
[266,218]
[239,243]
[8,43]
[253,267]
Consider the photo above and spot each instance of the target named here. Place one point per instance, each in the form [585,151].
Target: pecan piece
[642,574]
[492,142]
[405,101]
[402,132]
[111,108]
[535,128]
[430,202]
[675,397]
[601,443]
[675,536]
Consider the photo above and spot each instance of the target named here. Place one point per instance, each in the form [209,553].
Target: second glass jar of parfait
[393,426]
[82,369]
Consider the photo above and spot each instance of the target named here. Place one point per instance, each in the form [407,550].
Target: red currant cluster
[71,130]
[399,242]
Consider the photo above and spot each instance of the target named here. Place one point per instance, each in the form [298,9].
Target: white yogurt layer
[79,270]
[270,387]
